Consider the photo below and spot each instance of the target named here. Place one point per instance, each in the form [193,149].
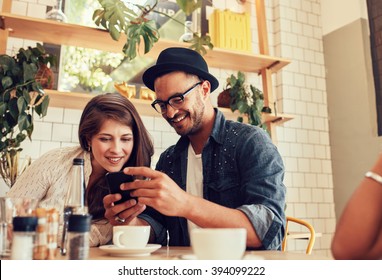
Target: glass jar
[78,237]
[24,232]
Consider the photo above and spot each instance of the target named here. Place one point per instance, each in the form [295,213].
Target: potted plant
[241,96]
[22,95]
[119,16]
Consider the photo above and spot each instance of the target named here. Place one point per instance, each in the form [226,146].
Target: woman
[112,136]
[359,231]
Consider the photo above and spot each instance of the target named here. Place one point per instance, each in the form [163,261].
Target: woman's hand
[124,213]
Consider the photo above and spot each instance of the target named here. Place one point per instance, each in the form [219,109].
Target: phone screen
[114,181]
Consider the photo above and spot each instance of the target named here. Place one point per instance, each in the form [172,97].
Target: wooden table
[179,253]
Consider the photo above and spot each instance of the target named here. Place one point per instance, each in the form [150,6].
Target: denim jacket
[242,169]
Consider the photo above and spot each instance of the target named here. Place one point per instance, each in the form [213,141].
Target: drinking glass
[6,214]
[56,13]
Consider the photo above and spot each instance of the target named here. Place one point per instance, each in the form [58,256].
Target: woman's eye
[127,139]
[104,139]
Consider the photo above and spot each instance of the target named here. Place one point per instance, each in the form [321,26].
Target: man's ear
[206,87]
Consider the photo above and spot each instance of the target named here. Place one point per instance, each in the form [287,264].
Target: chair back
[312,237]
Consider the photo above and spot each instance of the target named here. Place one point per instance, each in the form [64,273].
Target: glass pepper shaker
[78,237]
[24,231]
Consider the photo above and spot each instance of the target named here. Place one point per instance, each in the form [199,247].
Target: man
[219,174]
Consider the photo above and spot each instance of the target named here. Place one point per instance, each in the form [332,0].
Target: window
[374,8]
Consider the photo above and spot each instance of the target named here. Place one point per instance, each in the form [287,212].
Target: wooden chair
[311,237]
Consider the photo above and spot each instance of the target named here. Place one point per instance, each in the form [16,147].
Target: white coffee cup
[219,243]
[132,237]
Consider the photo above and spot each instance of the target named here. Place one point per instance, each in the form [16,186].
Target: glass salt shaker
[78,237]
[24,231]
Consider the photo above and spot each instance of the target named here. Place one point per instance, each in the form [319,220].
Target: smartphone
[114,181]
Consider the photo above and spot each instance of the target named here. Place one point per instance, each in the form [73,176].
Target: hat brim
[151,74]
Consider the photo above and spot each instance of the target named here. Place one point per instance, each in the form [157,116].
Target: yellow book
[212,28]
[248,31]
[230,30]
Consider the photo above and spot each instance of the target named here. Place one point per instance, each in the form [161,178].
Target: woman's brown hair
[116,107]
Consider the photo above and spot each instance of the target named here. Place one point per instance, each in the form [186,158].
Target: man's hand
[158,191]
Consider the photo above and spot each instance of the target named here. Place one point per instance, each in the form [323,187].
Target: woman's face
[111,146]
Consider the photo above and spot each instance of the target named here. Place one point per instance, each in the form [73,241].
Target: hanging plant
[118,16]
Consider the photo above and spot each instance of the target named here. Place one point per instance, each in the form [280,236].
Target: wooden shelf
[77,100]
[58,33]
[276,119]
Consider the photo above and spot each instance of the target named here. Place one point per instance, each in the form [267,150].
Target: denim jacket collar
[217,134]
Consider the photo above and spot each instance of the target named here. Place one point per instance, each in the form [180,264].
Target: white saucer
[136,252]
[253,257]
[188,257]
[247,257]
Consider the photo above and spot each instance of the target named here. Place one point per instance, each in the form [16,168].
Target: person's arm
[359,230]
[208,214]
[164,195]
[261,192]
[37,178]
[261,171]
[101,232]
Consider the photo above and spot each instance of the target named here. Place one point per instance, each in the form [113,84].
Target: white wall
[351,96]
[338,13]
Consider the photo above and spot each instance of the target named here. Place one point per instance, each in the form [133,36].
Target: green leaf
[30,71]
[241,77]
[134,32]
[24,121]
[3,108]
[198,43]
[242,106]
[6,82]
[40,49]
[114,16]
[42,108]
[36,86]
[6,62]
[10,122]
[26,96]
[30,129]
[13,108]
[21,104]
[20,137]
[188,6]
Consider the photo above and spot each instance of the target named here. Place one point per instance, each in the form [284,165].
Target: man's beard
[196,120]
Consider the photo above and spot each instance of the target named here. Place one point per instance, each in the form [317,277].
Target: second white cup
[131,237]
[219,243]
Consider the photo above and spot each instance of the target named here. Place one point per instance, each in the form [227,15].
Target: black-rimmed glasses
[175,101]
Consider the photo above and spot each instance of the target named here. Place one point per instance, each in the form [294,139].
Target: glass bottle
[78,237]
[75,202]
[24,231]
[56,13]
[187,35]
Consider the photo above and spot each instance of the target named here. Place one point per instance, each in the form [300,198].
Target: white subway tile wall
[294,32]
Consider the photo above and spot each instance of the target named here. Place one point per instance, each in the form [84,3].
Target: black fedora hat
[179,59]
